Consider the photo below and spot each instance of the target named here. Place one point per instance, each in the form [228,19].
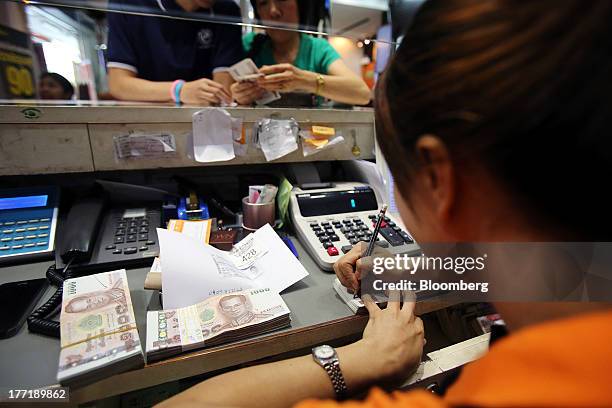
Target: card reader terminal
[329,221]
[28,219]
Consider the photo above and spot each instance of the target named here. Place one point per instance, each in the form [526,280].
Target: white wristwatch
[327,358]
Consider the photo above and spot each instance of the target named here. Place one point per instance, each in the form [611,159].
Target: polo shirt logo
[205,38]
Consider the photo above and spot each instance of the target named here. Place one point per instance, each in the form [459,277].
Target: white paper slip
[189,272]
[247,251]
[193,271]
[278,138]
[156,267]
[139,145]
[212,136]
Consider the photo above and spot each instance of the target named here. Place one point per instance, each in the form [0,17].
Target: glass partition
[89,51]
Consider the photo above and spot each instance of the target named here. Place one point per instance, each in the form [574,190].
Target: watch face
[324,352]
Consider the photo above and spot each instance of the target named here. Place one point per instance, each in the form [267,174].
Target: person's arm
[125,85]
[279,384]
[341,84]
[389,352]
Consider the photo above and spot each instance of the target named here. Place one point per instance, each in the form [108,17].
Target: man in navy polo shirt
[150,57]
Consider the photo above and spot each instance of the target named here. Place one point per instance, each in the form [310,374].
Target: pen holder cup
[256,216]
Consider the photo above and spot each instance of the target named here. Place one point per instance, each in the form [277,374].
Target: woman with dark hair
[296,62]
[494,119]
[54,86]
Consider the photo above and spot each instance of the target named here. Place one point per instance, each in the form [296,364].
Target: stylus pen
[370,248]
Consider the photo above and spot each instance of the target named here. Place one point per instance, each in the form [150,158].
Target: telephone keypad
[129,231]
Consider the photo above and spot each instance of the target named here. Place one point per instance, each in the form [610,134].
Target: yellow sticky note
[323,132]
[317,142]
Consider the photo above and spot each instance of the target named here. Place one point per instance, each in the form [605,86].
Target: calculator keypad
[346,232]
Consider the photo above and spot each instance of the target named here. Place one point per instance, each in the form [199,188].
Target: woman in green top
[296,62]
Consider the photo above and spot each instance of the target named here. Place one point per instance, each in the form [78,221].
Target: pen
[289,243]
[370,248]
[291,246]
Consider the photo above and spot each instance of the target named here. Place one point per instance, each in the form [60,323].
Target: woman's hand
[394,338]
[204,92]
[348,268]
[245,93]
[287,78]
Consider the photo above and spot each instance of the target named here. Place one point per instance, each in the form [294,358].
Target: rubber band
[103,334]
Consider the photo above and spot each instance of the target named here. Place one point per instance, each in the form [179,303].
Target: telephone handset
[102,231]
[112,229]
[79,230]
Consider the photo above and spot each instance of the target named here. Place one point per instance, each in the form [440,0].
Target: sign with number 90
[20,81]
[16,72]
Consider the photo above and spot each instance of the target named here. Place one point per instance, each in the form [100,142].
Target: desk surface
[317,316]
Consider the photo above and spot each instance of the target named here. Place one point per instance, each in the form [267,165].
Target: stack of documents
[192,271]
[218,319]
[98,329]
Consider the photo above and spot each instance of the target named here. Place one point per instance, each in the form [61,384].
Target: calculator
[28,220]
[330,221]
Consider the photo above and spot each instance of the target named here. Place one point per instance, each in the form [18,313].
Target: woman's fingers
[252,94]
[393,304]
[208,97]
[345,268]
[276,78]
[223,94]
[273,69]
[371,305]
[216,89]
[243,86]
[346,275]
[408,308]
[420,329]
[246,92]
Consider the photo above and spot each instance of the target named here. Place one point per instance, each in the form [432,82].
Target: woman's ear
[437,177]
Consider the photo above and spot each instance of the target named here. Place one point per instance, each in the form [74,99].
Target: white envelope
[193,271]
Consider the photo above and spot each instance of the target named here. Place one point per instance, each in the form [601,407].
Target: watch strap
[334,372]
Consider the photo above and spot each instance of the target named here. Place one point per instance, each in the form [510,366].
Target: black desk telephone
[113,226]
[95,238]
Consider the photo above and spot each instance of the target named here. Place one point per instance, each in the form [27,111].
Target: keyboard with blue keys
[28,219]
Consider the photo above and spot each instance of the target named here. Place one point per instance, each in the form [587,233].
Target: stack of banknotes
[216,320]
[98,329]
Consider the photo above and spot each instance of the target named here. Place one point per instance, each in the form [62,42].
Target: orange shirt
[562,363]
